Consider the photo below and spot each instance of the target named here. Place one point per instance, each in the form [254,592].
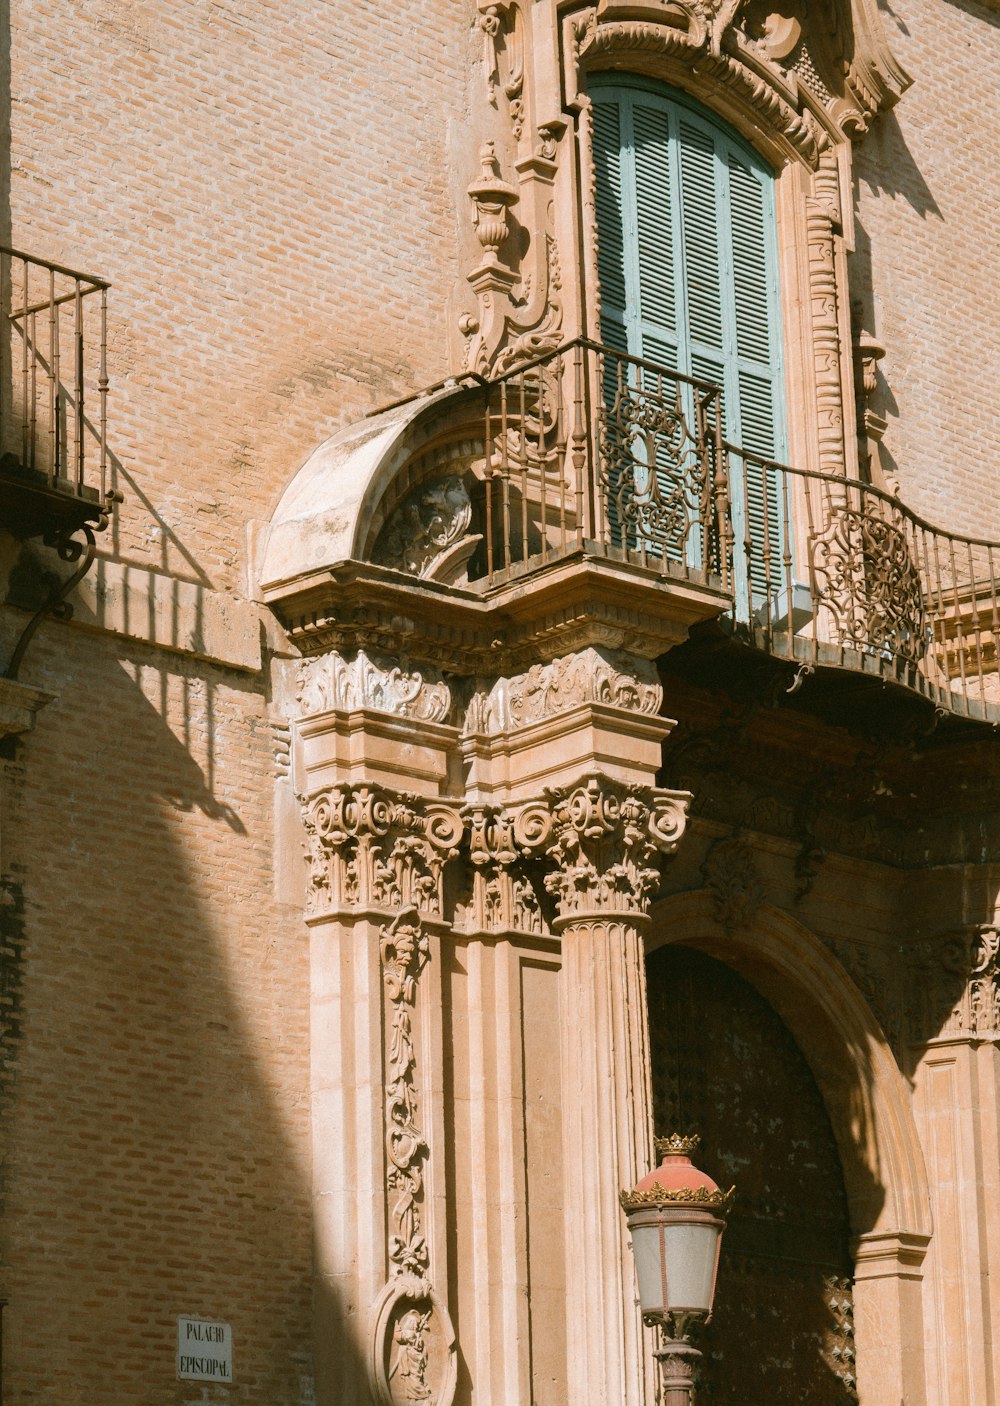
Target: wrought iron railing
[587,446]
[590,449]
[53,411]
[53,418]
[838,572]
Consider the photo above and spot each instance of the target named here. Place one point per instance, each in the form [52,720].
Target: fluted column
[602,840]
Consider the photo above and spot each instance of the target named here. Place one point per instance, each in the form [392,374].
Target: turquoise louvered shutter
[688,270]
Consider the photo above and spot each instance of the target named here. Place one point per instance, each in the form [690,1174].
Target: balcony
[593,453]
[53,405]
[53,420]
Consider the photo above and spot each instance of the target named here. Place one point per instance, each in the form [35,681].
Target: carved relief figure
[408,1373]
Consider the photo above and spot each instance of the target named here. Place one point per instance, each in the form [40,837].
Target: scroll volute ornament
[603,840]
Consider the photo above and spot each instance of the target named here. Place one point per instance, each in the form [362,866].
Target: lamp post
[675,1217]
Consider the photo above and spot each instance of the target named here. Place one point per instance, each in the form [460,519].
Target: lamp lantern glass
[675,1217]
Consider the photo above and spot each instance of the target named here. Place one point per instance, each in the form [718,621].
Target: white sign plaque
[204,1350]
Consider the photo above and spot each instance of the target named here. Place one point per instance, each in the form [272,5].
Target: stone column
[602,840]
[588,726]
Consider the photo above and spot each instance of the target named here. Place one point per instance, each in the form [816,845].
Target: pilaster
[588,725]
[372,759]
[957,1106]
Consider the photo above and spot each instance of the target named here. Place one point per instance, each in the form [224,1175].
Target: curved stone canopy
[325,513]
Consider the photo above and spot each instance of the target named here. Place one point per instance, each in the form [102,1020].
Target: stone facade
[385,736]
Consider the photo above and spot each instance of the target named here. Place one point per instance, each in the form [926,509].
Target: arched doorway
[725,1065]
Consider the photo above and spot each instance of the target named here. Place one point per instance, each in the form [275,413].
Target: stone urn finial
[492,197]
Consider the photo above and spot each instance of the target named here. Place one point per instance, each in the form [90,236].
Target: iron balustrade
[589,449]
[839,572]
[53,412]
[53,418]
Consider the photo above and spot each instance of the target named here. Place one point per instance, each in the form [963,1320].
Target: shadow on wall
[157,1123]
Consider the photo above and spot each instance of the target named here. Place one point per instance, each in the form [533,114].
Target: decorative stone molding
[331,682]
[823,219]
[602,839]
[782,58]
[369,848]
[413,1354]
[519,314]
[590,676]
[731,877]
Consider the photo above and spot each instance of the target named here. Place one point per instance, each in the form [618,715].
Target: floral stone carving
[371,848]
[592,676]
[731,877]
[404,950]
[603,840]
[332,682]
[428,534]
[958,990]
[503,895]
[413,1351]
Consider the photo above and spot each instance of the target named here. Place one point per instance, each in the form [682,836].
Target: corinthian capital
[372,848]
[603,839]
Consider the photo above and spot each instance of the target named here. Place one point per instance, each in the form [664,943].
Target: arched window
[688,266]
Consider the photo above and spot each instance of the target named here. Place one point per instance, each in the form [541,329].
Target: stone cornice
[577,603]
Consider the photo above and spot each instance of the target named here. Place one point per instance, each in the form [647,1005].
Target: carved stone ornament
[428,534]
[504,898]
[414,1355]
[731,877]
[591,676]
[331,682]
[404,949]
[784,58]
[413,1350]
[959,986]
[603,839]
[370,848]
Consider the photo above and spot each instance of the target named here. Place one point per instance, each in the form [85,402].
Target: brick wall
[927,180]
[156,1129]
[266,186]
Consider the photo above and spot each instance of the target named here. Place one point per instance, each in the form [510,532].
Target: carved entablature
[369,848]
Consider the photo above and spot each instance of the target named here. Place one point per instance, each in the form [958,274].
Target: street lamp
[675,1218]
